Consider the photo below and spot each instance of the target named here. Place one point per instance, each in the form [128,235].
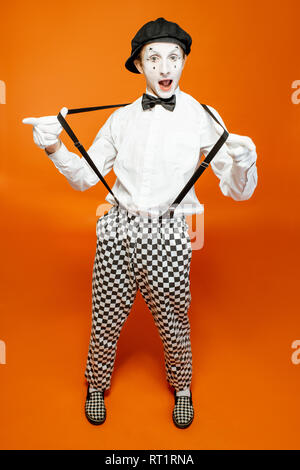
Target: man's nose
[164,67]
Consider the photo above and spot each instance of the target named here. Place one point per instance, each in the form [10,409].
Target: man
[153,145]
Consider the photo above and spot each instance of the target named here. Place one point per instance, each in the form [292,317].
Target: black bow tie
[150,101]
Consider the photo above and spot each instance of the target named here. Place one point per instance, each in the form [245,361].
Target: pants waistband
[145,215]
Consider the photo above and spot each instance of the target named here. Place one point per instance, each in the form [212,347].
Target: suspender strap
[80,147]
[203,165]
[94,108]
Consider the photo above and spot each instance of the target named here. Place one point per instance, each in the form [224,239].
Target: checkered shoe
[183,413]
[95,410]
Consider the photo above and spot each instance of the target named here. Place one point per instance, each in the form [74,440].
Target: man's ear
[138,65]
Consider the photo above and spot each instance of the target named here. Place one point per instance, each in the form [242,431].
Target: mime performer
[154,146]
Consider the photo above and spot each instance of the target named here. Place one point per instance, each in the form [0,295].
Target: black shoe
[95,410]
[183,413]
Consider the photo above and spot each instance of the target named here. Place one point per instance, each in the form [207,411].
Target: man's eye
[173,57]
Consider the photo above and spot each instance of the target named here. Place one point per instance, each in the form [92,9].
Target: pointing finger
[32,120]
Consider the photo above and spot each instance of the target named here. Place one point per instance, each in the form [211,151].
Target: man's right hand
[46,130]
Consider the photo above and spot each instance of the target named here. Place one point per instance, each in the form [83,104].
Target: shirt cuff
[61,156]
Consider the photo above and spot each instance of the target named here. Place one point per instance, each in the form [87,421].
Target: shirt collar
[177,91]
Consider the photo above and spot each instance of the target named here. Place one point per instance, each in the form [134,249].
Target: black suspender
[80,147]
[203,165]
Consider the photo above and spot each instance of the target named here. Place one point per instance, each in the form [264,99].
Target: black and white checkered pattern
[95,410]
[135,252]
[183,412]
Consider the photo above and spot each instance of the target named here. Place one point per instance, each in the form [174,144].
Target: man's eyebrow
[155,52]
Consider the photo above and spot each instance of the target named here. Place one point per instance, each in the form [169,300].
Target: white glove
[46,129]
[240,147]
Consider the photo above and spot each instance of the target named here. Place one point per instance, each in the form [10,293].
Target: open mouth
[165,85]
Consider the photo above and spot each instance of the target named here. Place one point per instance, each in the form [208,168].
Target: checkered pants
[136,252]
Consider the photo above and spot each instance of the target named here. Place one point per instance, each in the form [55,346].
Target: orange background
[244,282]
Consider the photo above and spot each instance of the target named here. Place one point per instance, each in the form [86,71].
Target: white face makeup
[162,64]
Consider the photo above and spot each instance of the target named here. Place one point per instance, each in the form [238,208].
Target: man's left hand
[239,147]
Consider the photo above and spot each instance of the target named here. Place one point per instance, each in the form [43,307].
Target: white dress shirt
[154,152]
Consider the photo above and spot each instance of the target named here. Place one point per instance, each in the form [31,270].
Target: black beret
[159,30]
